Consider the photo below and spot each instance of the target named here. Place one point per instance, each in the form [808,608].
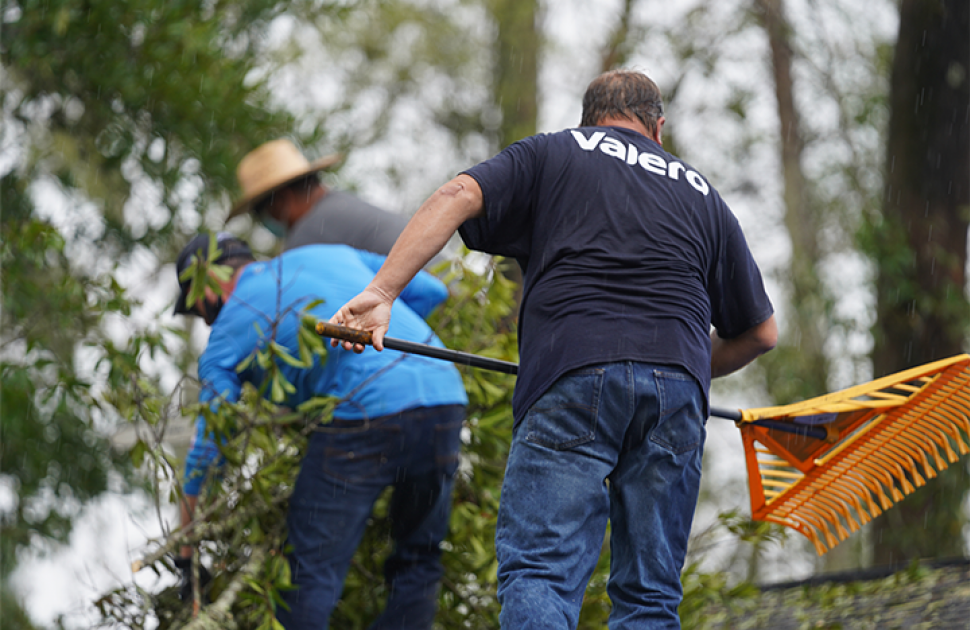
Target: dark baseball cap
[229,246]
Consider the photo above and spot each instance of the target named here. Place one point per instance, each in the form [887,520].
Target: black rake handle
[364,337]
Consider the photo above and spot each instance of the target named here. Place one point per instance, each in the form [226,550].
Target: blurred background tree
[52,460]
[918,243]
[121,125]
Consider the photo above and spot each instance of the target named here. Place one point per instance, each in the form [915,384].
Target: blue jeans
[619,442]
[347,466]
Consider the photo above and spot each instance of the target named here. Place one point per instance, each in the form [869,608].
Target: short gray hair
[623,94]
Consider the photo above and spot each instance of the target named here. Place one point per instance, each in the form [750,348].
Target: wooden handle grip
[335,331]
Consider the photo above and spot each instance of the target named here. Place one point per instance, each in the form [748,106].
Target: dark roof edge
[861,575]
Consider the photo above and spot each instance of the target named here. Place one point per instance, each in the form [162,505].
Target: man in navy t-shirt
[629,258]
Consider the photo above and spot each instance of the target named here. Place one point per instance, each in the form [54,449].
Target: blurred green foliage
[122,123]
[51,456]
[108,94]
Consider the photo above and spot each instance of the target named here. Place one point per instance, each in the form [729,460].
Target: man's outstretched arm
[425,235]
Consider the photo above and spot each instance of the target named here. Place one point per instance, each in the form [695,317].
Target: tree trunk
[805,368]
[921,241]
[806,374]
[619,45]
[516,68]
[516,82]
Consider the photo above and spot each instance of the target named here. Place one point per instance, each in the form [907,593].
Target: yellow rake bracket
[884,440]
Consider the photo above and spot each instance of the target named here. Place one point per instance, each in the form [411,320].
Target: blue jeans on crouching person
[347,466]
[617,441]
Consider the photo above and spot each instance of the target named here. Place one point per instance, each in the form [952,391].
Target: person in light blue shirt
[397,422]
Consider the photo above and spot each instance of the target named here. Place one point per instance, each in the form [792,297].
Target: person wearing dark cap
[403,411]
[282,190]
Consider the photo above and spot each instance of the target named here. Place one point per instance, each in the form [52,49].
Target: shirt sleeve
[219,382]
[738,297]
[507,182]
[422,295]
[203,453]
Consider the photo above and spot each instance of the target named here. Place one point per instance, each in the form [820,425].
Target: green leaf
[285,355]
[138,452]
[278,392]
[317,403]
[309,307]
[245,363]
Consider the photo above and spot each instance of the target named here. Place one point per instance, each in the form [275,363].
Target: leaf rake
[828,465]
[882,441]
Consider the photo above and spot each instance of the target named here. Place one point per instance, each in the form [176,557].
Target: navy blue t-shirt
[627,254]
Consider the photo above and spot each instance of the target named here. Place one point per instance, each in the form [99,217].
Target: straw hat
[271,166]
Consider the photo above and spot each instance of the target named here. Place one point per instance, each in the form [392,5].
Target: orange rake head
[884,439]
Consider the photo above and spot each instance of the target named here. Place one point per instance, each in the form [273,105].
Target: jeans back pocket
[565,416]
[680,425]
